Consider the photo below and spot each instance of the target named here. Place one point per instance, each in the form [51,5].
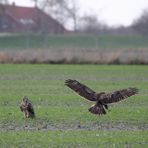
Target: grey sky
[112,12]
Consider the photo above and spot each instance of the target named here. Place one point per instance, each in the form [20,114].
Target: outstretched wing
[118,95]
[81,89]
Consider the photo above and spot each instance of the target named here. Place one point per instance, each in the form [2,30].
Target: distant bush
[74,56]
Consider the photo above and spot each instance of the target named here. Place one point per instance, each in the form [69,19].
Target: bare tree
[63,10]
[72,10]
[91,24]
[35,2]
[141,23]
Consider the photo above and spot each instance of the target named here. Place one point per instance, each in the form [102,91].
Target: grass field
[62,118]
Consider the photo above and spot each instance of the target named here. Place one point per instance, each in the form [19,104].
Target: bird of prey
[102,99]
[27,108]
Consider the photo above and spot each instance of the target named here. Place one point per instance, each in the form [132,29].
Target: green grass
[66,139]
[72,41]
[62,117]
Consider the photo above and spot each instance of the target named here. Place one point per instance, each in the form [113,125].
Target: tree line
[68,12]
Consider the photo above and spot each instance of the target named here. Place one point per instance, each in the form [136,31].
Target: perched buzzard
[102,99]
[27,108]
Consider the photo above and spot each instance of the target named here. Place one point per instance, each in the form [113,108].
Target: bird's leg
[25,114]
[106,106]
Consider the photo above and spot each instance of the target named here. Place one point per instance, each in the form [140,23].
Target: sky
[112,12]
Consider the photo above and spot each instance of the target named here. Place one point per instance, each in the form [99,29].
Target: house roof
[28,15]
[21,12]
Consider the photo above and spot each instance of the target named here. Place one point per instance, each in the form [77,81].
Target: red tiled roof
[27,13]
[21,12]
[30,16]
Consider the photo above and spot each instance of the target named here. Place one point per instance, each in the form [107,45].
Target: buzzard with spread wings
[102,99]
[27,108]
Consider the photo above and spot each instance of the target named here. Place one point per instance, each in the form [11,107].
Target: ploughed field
[62,117]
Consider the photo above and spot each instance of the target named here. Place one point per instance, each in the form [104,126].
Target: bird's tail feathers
[97,109]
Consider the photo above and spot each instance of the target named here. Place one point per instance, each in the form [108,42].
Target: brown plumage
[27,108]
[102,99]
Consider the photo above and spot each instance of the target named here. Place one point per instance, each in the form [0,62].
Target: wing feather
[21,108]
[118,95]
[30,108]
[81,89]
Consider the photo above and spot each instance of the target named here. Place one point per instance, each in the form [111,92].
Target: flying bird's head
[25,99]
